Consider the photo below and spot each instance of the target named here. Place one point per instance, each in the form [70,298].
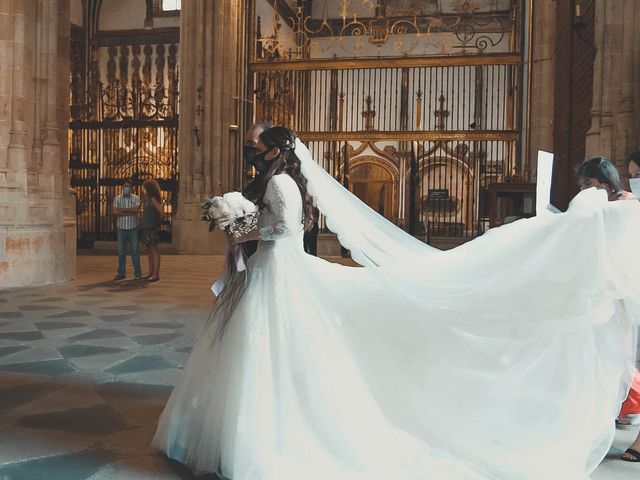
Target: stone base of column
[32,256]
[192,236]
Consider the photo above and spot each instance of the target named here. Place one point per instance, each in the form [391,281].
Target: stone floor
[86,367]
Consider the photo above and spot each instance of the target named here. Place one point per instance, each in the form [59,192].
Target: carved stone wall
[37,217]
[615,114]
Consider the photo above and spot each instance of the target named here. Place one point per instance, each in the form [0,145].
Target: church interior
[430,111]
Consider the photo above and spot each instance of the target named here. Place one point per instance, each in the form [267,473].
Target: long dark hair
[287,162]
[152,189]
[602,170]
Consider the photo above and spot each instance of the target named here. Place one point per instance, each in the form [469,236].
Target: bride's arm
[282,197]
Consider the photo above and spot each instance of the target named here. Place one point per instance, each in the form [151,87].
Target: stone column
[211,60]
[37,215]
[542,81]
[615,116]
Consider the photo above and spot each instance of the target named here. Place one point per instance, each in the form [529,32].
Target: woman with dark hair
[150,226]
[600,173]
[276,146]
[320,371]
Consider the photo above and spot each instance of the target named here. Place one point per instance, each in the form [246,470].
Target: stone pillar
[542,80]
[615,115]
[211,60]
[37,212]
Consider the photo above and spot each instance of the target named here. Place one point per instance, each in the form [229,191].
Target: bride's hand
[233,240]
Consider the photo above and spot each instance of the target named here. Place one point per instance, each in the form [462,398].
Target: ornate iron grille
[416,110]
[127,130]
[419,140]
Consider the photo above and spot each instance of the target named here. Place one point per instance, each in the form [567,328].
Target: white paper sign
[543,182]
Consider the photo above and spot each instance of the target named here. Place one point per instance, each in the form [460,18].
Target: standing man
[310,238]
[250,152]
[126,207]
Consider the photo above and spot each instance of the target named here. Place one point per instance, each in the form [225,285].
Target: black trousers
[311,241]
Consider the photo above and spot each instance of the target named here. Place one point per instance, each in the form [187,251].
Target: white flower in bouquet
[232,212]
[238,204]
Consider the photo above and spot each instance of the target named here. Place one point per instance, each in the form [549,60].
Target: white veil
[555,298]
[372,239]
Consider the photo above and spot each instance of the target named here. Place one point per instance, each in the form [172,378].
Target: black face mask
[255,158]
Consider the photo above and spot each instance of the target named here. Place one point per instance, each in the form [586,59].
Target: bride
[506,358]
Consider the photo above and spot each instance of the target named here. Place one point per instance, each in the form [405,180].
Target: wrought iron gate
[419,140]
[136,137]
[417,136]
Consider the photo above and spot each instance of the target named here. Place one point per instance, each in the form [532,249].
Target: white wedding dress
[504,359]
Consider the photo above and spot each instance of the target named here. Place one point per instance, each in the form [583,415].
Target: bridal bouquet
[231,212]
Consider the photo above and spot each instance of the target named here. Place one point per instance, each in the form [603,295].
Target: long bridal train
[506,358]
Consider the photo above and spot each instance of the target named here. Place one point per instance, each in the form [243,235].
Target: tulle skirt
[504,359]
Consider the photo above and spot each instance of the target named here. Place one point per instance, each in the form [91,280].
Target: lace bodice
[282,214]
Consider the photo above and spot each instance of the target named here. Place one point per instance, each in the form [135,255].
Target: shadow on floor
[60,430]
[115,286]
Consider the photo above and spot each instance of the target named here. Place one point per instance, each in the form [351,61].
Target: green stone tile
[70,314]
[23,336]
[165,325]
[124,307]
[159,339]
[36,307]
[44,367]
[75,351]
[57,325]
[73,466]
[97,334]
[141,363]
[4,351]
[120,317]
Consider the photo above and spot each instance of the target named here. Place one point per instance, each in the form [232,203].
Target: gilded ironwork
[127,129]
[475,31]
[349,64]
[418,137]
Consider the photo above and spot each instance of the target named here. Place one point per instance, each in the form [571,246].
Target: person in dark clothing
[311,236]
[150,226]
[249,153]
